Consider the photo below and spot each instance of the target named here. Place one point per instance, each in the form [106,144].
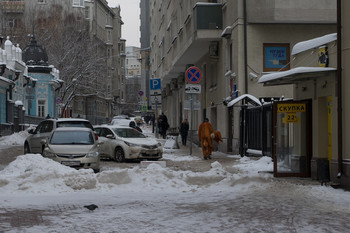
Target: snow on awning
[5,81]
[293,75]
[313,43]
[251,99]
[226,32]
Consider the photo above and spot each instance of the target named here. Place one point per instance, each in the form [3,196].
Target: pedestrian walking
[153,122]
[206,134]
[163,124]
[184,127]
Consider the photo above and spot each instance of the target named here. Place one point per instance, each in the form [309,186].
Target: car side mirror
[43,142]
[110,136]
[31,131]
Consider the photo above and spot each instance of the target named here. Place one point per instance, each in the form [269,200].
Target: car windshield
[83,124]
[128,133]
[72,137]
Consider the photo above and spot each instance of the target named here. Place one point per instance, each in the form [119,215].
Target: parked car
[121,143]
[44,129]
[122,122]
[73,146]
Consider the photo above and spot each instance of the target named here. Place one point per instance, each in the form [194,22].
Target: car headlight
[131,144]
[49,154]
[92,154]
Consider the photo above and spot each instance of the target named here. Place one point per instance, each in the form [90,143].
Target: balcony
[208,16]
[207,29]
[13,6]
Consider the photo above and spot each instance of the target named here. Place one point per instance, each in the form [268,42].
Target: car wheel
[119,155]
[26,148]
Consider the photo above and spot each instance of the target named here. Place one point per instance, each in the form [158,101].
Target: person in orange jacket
[206,134]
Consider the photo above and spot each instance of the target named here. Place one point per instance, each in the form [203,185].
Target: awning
[249,98]
[294,75]
[313,43]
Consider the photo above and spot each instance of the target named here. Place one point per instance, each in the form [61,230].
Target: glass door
[292,138]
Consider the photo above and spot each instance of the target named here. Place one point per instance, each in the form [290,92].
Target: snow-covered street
[38,194]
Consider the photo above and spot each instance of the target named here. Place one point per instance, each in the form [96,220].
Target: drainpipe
[339,90]
[245,47]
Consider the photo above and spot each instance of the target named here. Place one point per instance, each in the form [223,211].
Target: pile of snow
[14,139]
[35,174]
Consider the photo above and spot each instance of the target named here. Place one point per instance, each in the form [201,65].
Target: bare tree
[79,56]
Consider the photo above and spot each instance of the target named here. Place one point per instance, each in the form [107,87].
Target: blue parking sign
[155,84]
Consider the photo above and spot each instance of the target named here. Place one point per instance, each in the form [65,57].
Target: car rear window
[72,137]
[83,124]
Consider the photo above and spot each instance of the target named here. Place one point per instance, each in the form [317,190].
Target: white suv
[33,144]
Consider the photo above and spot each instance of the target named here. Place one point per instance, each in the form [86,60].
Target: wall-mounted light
[253,76]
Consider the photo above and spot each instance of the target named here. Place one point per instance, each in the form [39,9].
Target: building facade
[233,43]
[318,75]
[101,24]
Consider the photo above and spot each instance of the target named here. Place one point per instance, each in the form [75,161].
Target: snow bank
[35,174]
[14,139]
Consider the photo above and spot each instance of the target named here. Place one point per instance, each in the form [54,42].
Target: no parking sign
[193,74]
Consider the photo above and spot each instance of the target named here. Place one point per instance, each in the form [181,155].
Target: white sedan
[121,143]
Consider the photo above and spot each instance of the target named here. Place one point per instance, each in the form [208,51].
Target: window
[109,35]
[87,12]
[41,108]
[78,3]
[41,1]
[276,57]
[11,23]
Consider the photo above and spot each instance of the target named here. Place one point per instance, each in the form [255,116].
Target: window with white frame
[41,108]
[78,3]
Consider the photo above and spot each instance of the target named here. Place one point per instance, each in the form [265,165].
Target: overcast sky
[130,12]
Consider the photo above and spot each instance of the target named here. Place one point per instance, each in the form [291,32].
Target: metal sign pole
[191,132]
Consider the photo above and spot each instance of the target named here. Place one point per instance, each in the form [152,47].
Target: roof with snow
[251,99]
[293,75]
[313,43]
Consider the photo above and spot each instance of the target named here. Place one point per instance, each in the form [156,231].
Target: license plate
[71,163]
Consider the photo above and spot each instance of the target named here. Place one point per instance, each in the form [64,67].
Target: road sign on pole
[193,74]
[193,88]
[140,93]
[155,84]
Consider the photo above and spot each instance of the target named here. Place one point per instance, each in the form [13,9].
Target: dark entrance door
[292,138]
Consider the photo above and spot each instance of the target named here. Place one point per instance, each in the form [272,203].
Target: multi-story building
[96,19]
[145,49]
[233,43]
[134,95]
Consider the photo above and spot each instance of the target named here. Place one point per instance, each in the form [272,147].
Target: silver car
[121,143]
[73,146]
[33,144]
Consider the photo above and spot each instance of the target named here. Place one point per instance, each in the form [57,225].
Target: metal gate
[256,130]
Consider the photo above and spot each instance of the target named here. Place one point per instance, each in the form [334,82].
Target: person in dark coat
[184,127]
[133,125]
[163,125]
[153,122]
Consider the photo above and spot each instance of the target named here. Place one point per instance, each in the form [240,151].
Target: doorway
[292,138]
